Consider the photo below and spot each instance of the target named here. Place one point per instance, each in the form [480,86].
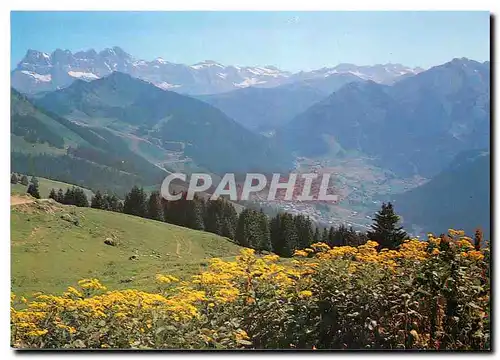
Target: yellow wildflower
[305,293]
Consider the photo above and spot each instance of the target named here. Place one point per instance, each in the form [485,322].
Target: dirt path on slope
[18,200]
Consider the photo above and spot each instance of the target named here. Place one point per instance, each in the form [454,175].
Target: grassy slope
[49,253]
[45,185]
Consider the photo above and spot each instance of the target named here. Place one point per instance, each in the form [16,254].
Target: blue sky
[290,40]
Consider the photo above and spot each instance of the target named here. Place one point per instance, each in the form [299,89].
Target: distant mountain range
[415,126]
[39,71]
[108,121]
[458,197]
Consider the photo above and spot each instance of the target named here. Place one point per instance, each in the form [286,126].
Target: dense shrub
[431,295]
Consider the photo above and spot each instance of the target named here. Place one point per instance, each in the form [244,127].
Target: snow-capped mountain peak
[40,71]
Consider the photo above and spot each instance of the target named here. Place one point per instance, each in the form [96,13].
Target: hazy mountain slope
[458,197]
[37,127]
[48,145]
[415,126]
[173,121]
[262,109]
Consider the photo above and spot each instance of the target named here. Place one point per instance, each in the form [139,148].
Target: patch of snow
[165,85]
[248,82]
[331,72]
[254,71]
[83,75]
[161,60]
[221,75]
[206,64]
[38,77]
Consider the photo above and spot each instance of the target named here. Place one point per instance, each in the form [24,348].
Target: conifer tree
[304,229]
[242,233]
[385,229]
[79,197]
[24,180]
[317,237]
[69,198]
[324,235]
[52,194]
[14,179]
[97,201]
[284,238]
[60,196]
[195,214]
[155,210]
[135,202]
[331,236]
[265,234]
[119,207]
[229,219]
[33,190]
[34,180]
[214,216]
[113,202]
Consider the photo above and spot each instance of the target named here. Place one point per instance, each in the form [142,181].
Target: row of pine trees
[281,234]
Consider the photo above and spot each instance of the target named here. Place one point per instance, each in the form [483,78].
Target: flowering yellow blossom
[305,293]
[475,255]
[225,287]
[241,335]
[300,253]
[271,258]
[320,247]
[166,279]
[37,332]
[91,284]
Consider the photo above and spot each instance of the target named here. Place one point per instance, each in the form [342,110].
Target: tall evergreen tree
[304,229]
[69,197]
[324,236]
[229,219]
[317,236]
[119,207]
[60,196]
[214,215]
[79,198]
[52,194]
[155,210]
[135,202]
[242,236]
[24,180]
[252,230]
[331,236]
[265,233]
[385,229]
[97,201]
[34,180]
[113,203]
[33,190]
[195,215]
[284,238]
[14,179]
